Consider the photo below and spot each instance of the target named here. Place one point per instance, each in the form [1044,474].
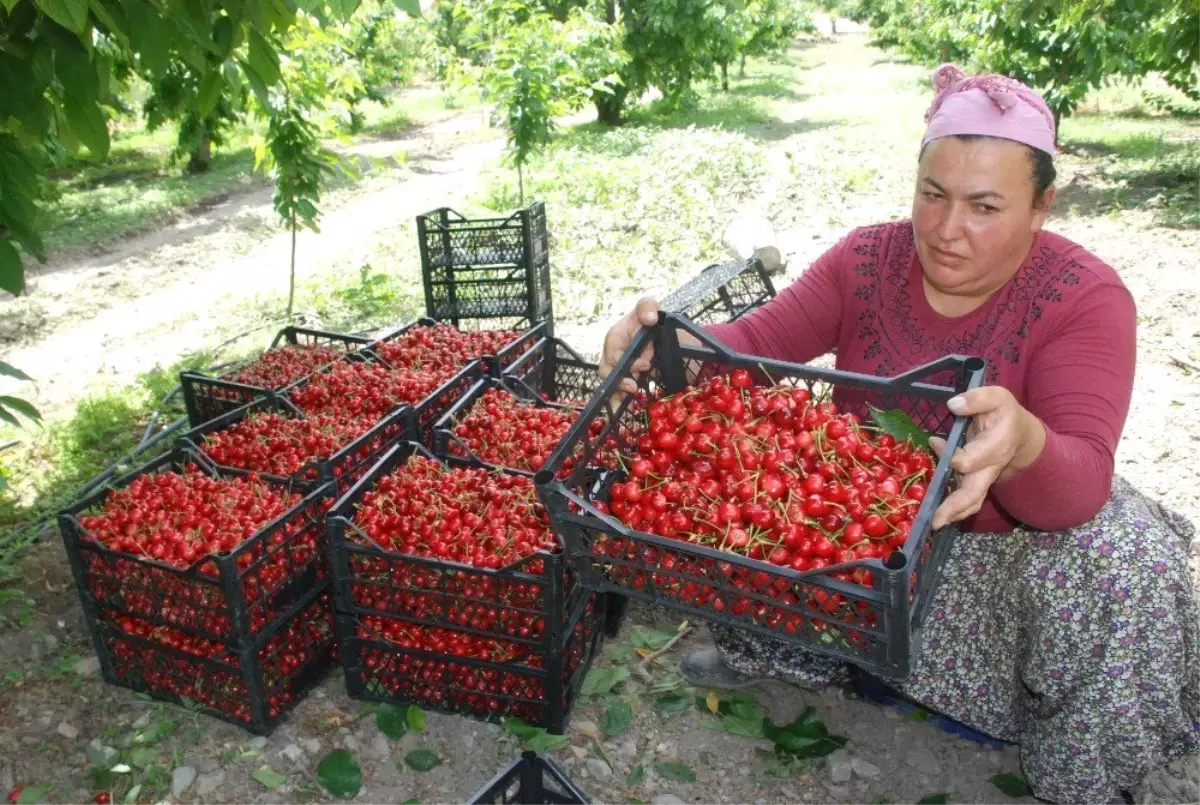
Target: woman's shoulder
[1073,263]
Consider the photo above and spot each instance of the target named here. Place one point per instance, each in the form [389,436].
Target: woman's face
[974,213]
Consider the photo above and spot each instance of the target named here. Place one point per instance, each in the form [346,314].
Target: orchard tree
[538,67]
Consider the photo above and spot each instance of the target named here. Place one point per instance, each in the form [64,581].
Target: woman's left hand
[1003,438]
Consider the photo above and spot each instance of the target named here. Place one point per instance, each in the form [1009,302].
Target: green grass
[1150,162]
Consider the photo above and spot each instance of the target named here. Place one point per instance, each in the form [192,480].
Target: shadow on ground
[1138,173]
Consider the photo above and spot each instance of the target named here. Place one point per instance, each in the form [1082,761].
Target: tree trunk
[724,77]
[520,185]
[292,275]
[201,158]
[833,23]
[742,67]
[609,105]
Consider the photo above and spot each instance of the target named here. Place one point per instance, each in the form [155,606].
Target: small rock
[579,752]
[88,666]
[258,743]
[206,764]
[892,713]
[662,749]
[864,769]
[6,776]
[142,722]
[588,729]
[923,761]
[840,770]
[667,799]
[996,759]
[208,783]
[67,731]
[839,793]
[599,769]
[627,751]
[380,746]
[36,653]
[108,755]
[312,746]
[293,753]
[350,742]
[51,643]
[182,779]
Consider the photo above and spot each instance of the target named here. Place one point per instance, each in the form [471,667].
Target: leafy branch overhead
[64,61]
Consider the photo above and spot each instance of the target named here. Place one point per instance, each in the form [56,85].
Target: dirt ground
[154,297]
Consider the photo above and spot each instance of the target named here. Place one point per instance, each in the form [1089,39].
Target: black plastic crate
[229,598]
[447,444]
[531,779]
[551,370]
[722,292]
[342,468]
[253,687]
[877,626]
[206,397]
[486,268]
[533,608]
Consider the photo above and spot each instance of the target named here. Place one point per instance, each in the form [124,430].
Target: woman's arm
[1079,387]
[802,322]
[799,324]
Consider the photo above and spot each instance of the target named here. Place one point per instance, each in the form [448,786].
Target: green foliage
[62,63]
[1064,48]
[538,67]
[295,151]
[339,774]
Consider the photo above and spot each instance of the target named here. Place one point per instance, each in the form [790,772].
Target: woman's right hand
[621,335]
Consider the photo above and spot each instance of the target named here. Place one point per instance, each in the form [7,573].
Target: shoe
[705,669]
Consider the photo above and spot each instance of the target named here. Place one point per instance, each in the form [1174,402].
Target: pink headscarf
[990,105]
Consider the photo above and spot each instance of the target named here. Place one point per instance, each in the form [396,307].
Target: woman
[1065,620]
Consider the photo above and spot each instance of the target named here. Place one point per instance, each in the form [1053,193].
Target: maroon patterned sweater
[1061,336]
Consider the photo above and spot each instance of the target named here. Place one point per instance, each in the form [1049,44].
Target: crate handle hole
[975,364]
[543,477]
[896,561]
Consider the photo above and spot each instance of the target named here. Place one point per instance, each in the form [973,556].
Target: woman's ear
[1041,208]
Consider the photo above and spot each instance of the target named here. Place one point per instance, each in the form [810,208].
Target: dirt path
[158,296]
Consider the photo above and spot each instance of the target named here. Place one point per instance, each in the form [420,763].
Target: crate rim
[338,515]
[540,765]
[712,350]
[443,429]
[71,513]
[284,405]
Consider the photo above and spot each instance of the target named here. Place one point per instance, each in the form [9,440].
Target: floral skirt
[1082,646]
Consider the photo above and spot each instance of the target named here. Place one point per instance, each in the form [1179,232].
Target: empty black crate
[206,397]
[342,468]
[722,293]
[876,626]
[486,268]
[551,370]
[532,779]
[225,602]
[541,624]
